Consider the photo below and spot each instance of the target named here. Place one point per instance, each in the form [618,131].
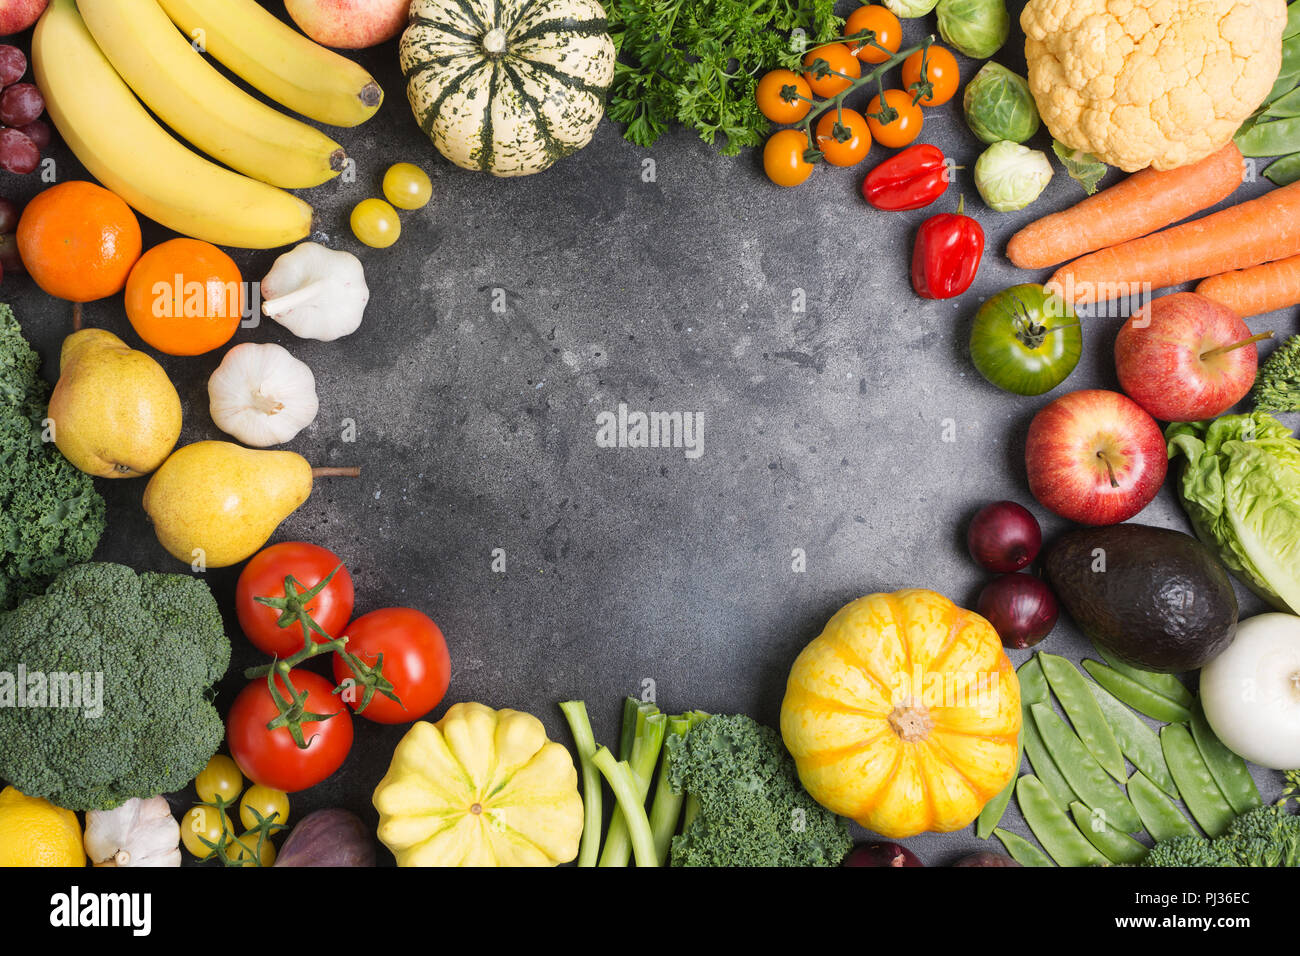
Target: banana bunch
[93,58]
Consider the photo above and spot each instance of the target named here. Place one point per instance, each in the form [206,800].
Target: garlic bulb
[316,293]
[262,395]
[138,833]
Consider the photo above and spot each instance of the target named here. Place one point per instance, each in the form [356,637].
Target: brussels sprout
[1010,176]
[977,28]
[910,9]
[999,106]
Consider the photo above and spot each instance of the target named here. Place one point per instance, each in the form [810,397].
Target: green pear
[116,414]
[217,503]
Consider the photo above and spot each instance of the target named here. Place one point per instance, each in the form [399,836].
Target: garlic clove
[262,395]
[315,292]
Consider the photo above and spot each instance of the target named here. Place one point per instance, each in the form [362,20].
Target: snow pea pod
[1166,685]
[1160,816]
[992,813]
[1284,171]
[1138,696]
[1292,21]
[1117,847]
[1228,770]
[1138,741]
[1275,138]
[1200,793]
[1033,685]
[1041,762]
[1085,775]
[1058,835]
[1021,850]
[1084,713]
[1285,105]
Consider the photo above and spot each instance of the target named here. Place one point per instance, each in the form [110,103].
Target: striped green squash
[507,86]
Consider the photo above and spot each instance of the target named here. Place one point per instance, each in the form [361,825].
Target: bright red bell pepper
[914,178]
[947,254]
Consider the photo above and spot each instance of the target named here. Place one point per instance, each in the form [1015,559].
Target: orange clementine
[185,297]
[78,241]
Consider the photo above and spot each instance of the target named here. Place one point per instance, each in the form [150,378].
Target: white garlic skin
[262,395]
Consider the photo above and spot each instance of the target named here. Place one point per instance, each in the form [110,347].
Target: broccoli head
[50,514]
[1277,386]
[751,809]
[104,686]
[1265,836]
[1187,851]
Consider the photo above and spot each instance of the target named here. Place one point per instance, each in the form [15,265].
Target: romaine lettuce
[1240,486]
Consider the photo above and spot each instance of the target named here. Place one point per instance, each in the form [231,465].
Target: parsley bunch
[698,62]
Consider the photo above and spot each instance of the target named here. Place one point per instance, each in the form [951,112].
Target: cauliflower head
[1159,83]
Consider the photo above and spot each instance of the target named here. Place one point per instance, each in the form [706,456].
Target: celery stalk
[666,808]
[575,712]
[645,756]
[631,802]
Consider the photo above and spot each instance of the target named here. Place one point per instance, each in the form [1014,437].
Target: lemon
[34,832]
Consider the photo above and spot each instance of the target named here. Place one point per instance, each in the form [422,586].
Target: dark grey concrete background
[475,429]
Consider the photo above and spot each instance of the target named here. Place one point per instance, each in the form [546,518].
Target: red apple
[1095,457]
[349,24]
[17,15]
[1185,358]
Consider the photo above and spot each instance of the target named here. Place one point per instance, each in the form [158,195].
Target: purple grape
[18,154]
[21,104]
[13,64]
[38,131]
[8,217]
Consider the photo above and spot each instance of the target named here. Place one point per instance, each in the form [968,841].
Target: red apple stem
[1225,349]
[1110,469]
[354,472]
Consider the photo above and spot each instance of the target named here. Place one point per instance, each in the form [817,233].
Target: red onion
[1021,608]
[882,854]
[986,858]
[1004,537]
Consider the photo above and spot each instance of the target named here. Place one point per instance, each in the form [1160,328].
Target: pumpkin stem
[494,41]
[911,721]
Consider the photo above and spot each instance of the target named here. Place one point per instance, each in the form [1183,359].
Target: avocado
[1155,598]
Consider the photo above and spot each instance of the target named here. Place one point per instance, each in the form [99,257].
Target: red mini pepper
[914,178]
[947,254]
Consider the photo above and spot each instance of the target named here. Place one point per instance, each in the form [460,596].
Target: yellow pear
[116,414]
[217,503]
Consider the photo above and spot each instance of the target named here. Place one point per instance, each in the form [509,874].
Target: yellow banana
[189,95]
[278,60]
[125,149]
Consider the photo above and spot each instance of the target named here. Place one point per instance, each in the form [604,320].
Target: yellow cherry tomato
[244,850]
[941,71]
[407,186]
[778,110]
[266,801]
[220,778]
[204,823]
[783,159]
[905,124]
[880,21]
[375,223]
[851,151]
[845,68]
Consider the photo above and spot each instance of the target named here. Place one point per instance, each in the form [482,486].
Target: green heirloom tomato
[999,105]
[977,28]
[1025,340]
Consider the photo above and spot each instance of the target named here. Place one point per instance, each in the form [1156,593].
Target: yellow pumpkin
[903,714]
[481,787]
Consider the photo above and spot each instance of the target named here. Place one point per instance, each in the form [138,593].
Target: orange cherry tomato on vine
[940,69]
[783,159]
[903,127]
[841,61]
[879,20]
[770,103]
[854,149]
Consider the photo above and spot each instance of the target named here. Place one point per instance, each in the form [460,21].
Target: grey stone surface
[476,429]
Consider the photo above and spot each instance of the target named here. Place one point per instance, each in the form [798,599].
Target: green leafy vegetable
[698,62]
[145,650]
[50,514]
[910,9]
[1009,176]
[1240,486]
[999,106]
[752,810]
[1277,387]
[977,28]
[1084,168]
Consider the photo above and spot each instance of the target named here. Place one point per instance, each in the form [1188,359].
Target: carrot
[1274,285]
[1146,201]
[1247,234]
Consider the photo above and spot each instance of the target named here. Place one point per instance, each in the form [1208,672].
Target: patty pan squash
[904,714]
[481,787]
[1159,83]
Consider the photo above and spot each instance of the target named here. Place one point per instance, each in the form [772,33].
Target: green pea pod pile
[1274,128]
[1079,799]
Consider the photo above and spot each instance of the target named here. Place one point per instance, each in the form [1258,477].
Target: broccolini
[1277,387]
